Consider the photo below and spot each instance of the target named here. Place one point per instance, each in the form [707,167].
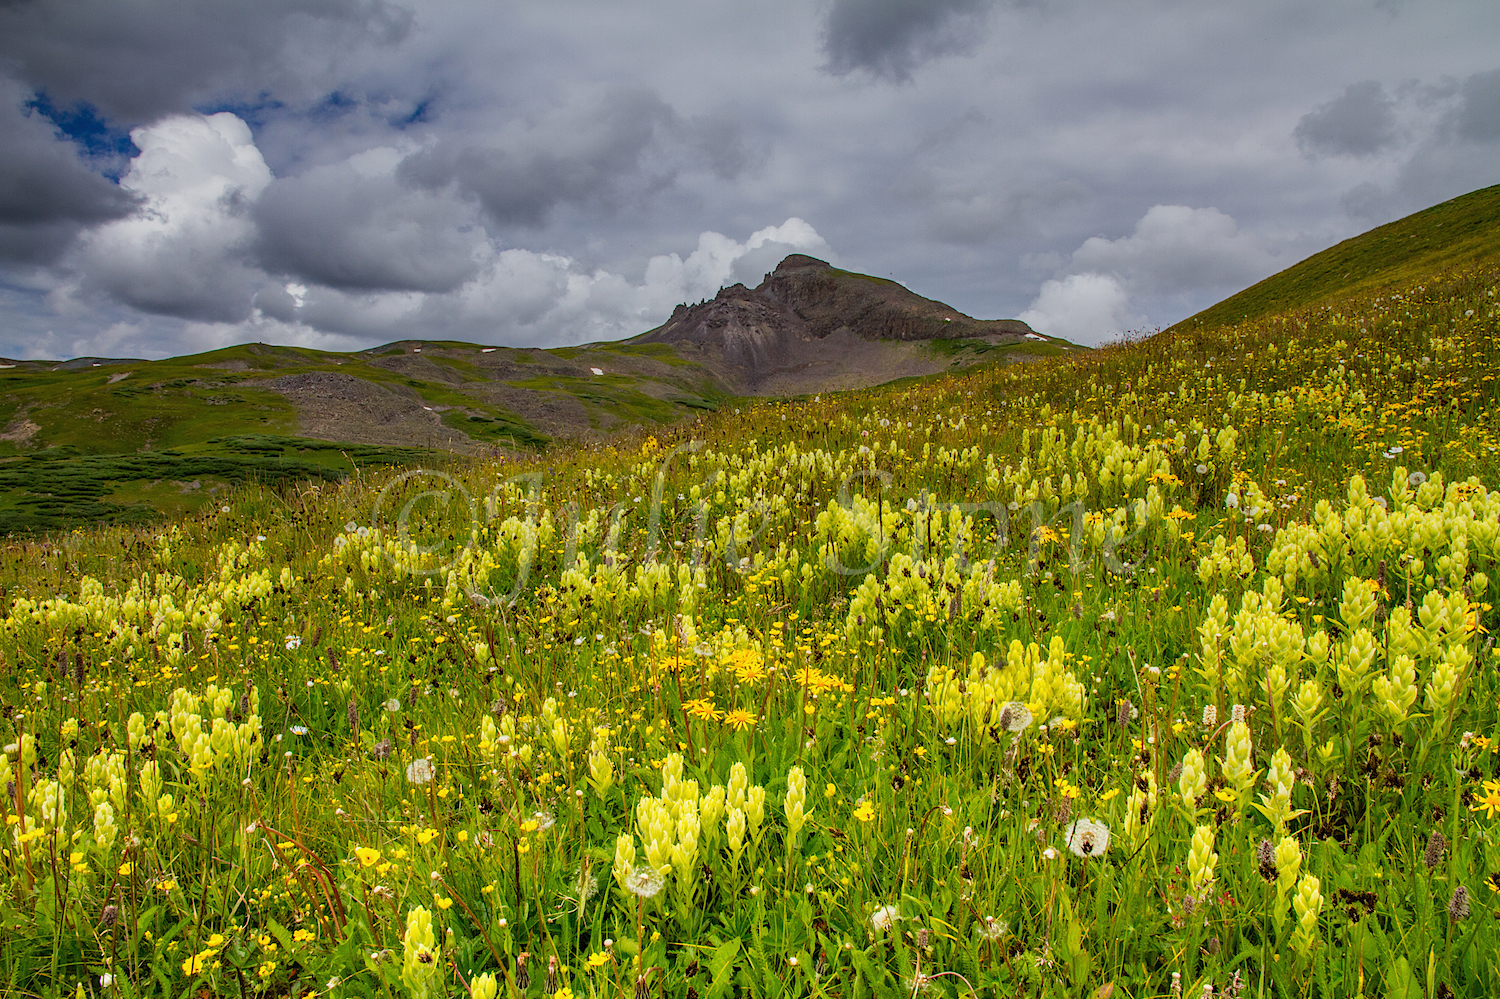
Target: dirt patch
[804,364]
[20,430]
[419,367]
[338,407]
[553,413]
[845,360]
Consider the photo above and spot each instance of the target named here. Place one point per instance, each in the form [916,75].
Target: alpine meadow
[1158,670]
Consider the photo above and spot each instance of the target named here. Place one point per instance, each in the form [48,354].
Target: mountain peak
[800,261]
[808,316]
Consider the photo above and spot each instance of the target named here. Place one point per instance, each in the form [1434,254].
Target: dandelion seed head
[1015,717]
[1087,838]
[644,881]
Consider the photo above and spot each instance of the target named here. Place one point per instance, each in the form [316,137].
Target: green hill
[1454,235]
[97,439]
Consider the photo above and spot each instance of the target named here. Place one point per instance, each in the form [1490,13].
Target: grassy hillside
[1145,673]
[1456,235]
[88,441]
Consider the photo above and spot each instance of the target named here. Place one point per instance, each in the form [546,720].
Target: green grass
[93,413]
[663,352]
[836,272]
[611,400]
[961,347]
[59,487]
[504,429]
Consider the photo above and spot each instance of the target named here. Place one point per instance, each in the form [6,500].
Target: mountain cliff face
[747,329]
[828,300]
[809,323]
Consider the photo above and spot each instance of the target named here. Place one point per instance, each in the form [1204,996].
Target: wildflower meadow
[1161,670]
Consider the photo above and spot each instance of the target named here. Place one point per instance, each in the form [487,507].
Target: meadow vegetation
[1161,671]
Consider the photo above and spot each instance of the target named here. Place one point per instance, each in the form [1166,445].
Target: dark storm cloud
[1479,117]
[47,192]
[719,143]
[1456,123]
[585,155]
[137,59]
[891,38]
[1359,122]
[179,286]
[335,226]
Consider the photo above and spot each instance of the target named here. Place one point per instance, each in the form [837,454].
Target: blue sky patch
[96,138]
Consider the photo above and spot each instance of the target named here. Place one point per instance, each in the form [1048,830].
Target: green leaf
[1400,983]
[878,978]
[282,935]
[721,969]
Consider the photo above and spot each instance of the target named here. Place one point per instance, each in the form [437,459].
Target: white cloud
[525,297]
[182,252]
[1178,256]
[1175,248]
[720,261]
[1084,308]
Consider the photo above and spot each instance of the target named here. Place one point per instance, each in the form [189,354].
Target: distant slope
[97,439]
[1453,235]
[425,394]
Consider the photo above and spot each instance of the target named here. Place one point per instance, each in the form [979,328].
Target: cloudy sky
[177,176]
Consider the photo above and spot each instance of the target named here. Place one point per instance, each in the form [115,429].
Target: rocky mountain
[809,326]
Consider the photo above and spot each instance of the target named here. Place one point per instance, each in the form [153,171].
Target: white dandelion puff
[644,881]
[1087,838]
[1015,717]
